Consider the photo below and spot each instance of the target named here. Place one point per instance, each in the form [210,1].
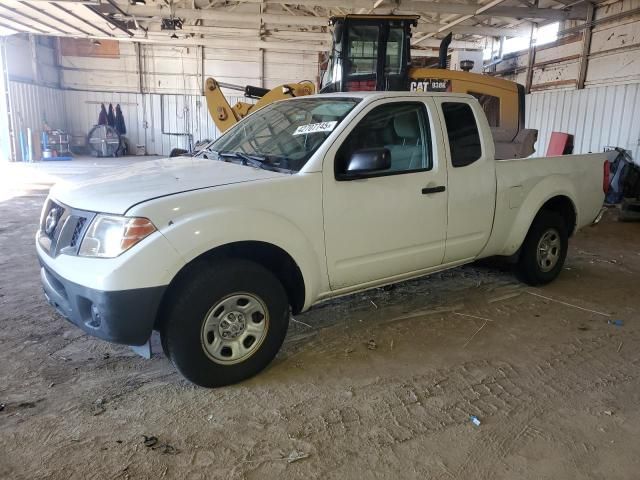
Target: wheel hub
[548,252]
[234,328]
[232,325]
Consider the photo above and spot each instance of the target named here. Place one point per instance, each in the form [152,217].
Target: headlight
[110,235]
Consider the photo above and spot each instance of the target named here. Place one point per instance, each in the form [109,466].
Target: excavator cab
[373,53]
[370,52]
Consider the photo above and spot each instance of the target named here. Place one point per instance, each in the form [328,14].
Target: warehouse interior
[467,373]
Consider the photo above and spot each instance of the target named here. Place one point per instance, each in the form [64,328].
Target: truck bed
[524,185]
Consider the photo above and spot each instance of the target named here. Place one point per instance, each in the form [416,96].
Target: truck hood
[126,186]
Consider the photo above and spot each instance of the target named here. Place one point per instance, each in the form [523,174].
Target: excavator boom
[225,116]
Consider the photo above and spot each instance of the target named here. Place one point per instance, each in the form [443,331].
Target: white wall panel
[183,117]
[6,149]
[237,66]
[179,70]
[19,58]
[615,35]
[597,117]
[615,67]
[282,68]
[32,105]
[84,107]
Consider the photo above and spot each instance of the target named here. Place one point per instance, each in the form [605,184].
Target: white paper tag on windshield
[315,127]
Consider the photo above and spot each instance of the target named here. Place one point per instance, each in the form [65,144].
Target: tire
[225,322]
[544,249]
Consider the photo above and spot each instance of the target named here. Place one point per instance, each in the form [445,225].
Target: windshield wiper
[258,161]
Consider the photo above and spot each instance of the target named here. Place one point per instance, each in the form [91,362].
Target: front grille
[62,228]
[75,238]
[51,219]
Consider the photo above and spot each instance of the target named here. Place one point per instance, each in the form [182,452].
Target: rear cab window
[462,130]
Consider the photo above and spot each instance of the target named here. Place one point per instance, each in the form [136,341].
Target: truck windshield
[283,135]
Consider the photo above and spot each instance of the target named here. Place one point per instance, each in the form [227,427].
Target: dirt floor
[377,385]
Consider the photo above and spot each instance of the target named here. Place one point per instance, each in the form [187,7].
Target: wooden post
[586,46]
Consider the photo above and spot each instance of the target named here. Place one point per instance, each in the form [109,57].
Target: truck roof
[386,94]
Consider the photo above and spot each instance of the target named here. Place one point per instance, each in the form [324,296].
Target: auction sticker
[315,127]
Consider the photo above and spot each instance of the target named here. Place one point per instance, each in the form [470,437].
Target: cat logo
[430,85]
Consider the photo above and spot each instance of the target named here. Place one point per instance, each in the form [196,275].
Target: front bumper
[126,316]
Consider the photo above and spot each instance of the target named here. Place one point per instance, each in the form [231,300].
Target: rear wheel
[544,249]
[225,323]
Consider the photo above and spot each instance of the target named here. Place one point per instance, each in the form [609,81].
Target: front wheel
[225,323]
[544,249]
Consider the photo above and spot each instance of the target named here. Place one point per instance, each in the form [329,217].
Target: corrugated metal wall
[597,117]
[182,116]
[31,106]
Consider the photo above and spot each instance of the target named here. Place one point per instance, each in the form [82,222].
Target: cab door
[471,177]
[390,223]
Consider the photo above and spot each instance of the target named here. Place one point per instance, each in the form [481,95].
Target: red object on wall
[560,144]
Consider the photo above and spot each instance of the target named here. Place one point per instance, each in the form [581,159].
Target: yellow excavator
[225,116]
[373,53]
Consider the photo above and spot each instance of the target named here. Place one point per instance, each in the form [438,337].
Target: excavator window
[362,59]
[395,45]
[368,53]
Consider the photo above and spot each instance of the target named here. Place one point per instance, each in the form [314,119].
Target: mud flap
[143,350]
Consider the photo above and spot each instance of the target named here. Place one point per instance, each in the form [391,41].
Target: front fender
[205,231]
[537,196]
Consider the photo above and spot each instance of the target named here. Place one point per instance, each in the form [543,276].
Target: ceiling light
[96,42]
[174,36]
[138,2]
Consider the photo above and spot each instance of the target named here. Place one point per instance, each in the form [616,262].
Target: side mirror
[366,161]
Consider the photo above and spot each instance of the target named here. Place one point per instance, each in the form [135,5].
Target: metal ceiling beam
[23,27]
[578,12]
[30,18]
[79,18]
[234,44]
[6,27]
[59,20]
[109,20]
[444,28]
[253,33]
[219,15]
[306,20]
[248,44]
[573,13]
[483,30]
[368,4]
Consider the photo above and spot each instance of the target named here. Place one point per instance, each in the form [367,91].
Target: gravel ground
[376,385]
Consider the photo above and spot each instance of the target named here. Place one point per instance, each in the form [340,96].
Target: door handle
[428,190]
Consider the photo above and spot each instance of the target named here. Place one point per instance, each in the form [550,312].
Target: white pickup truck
[304,200]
